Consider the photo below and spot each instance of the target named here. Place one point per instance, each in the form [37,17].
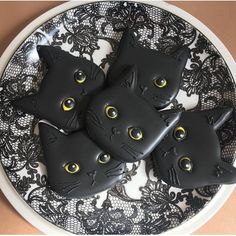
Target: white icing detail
[50,124]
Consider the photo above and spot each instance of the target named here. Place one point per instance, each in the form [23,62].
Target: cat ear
[224,173]
[217,116]
[129,77]
[48,53]
[49,134]
[170,117]
[129,39]
[181,54]
[27,104]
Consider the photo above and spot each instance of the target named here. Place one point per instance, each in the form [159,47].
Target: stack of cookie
[91,125]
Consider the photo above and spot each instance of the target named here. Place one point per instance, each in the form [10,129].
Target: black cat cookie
[190,156]
[124,124]
[159,75]
[65,90]
[76,166]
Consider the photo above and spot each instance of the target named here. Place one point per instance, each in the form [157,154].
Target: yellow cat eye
[72,168]
[80,76]
[104,158]
[111,112]
[68,104]
[186,164]
[160,82]
[180,133]
[135,133]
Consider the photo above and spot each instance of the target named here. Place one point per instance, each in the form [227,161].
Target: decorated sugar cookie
[190,156]
[65,90]
[76,166]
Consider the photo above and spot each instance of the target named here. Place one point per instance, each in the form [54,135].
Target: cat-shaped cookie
[65,90]
[159,75]
[124,124]
[76,166]
[190,156]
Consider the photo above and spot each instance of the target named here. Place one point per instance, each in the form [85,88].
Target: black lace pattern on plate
[85,31]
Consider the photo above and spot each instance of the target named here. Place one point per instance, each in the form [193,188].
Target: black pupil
[104,158]
[186,164]
[136,132]
[112,112]
[69,103]
[80,75]
[160,81]
[72,167]
[180,134]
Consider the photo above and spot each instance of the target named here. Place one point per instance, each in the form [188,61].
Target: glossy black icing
[195,160]
[159,75]
[76,166]
[137,127]
[118,213]
[68,77]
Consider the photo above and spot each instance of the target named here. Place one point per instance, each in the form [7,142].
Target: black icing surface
[59,84]
[152,66]
[117,135]
[93,175]
[126,128]
[195,161]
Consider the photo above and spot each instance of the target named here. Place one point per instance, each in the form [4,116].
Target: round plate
[142,204]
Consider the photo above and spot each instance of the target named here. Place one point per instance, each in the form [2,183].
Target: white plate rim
[45,226]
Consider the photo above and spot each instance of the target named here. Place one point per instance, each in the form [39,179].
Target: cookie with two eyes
[76,166]
[190,155]
[124,124]
[159,75]
[65,90]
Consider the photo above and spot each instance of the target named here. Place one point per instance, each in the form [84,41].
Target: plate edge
[186,228]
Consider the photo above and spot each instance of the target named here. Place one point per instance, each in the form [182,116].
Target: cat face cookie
[159,75]
[76,166]
[124,124]
[65,90]
[190,156]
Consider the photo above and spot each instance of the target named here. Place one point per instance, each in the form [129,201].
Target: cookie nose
[143,88]
[155,97]
[115,131]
